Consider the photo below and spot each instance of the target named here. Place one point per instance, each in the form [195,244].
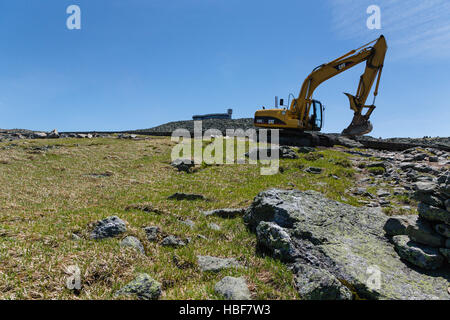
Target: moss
[377,170]
[313,156]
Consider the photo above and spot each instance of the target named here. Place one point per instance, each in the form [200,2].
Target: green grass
[49,194]
[376,170]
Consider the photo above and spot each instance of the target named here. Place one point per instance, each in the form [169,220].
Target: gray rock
[172,241]
[397,225]
[433,213]
[347,142]
[419,255]
[109,227]
[225,213]
[433,159]
[214,264]
[188,222]
[127,136]
[406,165]
[313,170]
[377,165]
[425,169]
[425,187]
[284,152]
[200,236]
[214,226]
[430,199]
[133,242]
[53,134]
[39,135]
[447,205]
[344,240]
[183,164]
[422,232]
[143,287]
[287,153]
[306,149]
[186,196]
[233,288]
[152,233]
[420,157]
[443,229]
[383,193]
[444,190]
[319,284]
[75,237]
[399,191]
[446,253]
[444,178]
[425,192]
[274,238]
[359,191]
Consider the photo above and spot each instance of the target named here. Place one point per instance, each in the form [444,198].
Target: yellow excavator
[306,114]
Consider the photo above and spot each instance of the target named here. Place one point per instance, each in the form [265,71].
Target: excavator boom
[302,112]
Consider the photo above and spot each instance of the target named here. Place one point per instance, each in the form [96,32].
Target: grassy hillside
[52,189]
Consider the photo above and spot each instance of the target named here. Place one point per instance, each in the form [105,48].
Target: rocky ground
[247,123]
[220,124]
[344,222]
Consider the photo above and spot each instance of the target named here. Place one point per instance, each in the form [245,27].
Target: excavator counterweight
[306,114]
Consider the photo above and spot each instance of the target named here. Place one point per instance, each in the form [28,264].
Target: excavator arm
[297,116]
[374,57]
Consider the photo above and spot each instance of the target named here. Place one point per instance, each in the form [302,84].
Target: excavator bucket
[360,124]
[358,127]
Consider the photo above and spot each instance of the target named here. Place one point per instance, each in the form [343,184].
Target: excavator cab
[316,115]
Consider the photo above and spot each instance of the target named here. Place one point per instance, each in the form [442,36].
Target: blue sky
[140,63]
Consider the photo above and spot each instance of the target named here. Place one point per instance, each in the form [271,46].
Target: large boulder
[419,255]
[433,213]
[423,232]
[397,225]
[426,192]
[345,242]
[54,134]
